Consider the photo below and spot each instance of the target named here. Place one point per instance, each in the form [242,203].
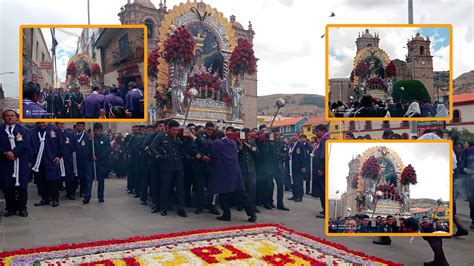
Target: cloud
[287,38]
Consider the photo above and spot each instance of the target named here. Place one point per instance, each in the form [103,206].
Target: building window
[386,124]
[422,50]
[352,125]
[149,26]
[336,127]
[368,124]
[456,116]
[404,124]
[124,45]
[42,57]
[37,50]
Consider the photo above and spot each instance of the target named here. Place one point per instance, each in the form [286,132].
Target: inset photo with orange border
[389,188]
[389,71]
[83,73]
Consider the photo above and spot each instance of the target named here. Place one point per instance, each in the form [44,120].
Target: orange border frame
[145,74]
[326,222]
[449,26]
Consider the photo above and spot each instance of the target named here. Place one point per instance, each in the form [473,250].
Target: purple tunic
[225,175]
[33,110]
[91,106]
[21,151]
[114,100]
[134,103]
[54,139]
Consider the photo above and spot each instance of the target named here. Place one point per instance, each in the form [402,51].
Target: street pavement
[122,216]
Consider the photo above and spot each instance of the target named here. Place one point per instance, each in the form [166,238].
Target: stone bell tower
[420,62]
[366,39]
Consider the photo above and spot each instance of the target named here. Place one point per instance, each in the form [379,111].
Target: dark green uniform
[201,175]
[168,152]
[267,170]
[128,143]
[247,157]
[147,163]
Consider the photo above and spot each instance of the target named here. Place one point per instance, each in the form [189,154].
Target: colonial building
[289,126]
[418,65]
[35,51]
[145,12]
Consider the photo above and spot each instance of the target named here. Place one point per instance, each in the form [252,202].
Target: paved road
[122,216]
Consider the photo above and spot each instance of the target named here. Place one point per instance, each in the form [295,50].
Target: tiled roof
[463,98]
[314,121]
[287,122]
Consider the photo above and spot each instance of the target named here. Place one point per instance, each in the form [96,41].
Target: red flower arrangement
[375,83]
[153,63]
[355,181]
[389,191]
[408,176]
[362,70]
[95,69]
[390,70]
[242,60]
[71,69]
[84,80]
[179,47]
[371,168]
[201,79]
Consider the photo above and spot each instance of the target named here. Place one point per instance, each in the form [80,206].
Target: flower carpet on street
[264,244]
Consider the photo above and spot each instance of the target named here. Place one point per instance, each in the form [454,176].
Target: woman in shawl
[441,111]
[413,110]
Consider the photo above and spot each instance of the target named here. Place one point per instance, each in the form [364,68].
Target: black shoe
[435,263]
[299,200]
[472,225]
[70,197]
[257,210]
[272,205]
[266,206]
[382,242]
[239,209]
[55,203]
[320,216]
[101,200]
[143,202]
[213,210]
[136,196]
[23,213]
[252,218]
[322,212]
[223,218]
[129,191]
[461,232]
[198,211]
[9,213]
[292,198]
[154,210]
[163,212]
[283,208]
[42,203]
[182,213]
[85,201]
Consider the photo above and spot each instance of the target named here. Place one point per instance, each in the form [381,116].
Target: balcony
[124,54]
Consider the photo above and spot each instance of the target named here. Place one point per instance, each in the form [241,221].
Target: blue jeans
[102,172]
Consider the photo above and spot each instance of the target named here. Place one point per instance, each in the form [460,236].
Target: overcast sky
[342,47]
[430,160]
[288,32]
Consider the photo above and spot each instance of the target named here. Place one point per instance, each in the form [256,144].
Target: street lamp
[401,94]
[335,205]
[378,195]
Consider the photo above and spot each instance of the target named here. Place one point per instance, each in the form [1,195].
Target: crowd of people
[369,106]
[165,164]
[389,224]
[102,102]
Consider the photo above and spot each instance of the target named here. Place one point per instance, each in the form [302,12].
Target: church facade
[418,65]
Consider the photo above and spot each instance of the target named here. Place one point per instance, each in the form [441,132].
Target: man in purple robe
[225,176]
[14,159]
[134,101]
[81,157]
[95,105]
[46,141]
[31,97]
[113,99]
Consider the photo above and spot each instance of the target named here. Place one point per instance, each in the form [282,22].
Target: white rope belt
[16,162]
[61,167]
[74,163]
[40,152]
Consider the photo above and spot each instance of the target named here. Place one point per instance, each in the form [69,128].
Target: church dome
[367,34]
[418,37]
[146,3]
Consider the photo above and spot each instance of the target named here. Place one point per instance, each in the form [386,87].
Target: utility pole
[413,124]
